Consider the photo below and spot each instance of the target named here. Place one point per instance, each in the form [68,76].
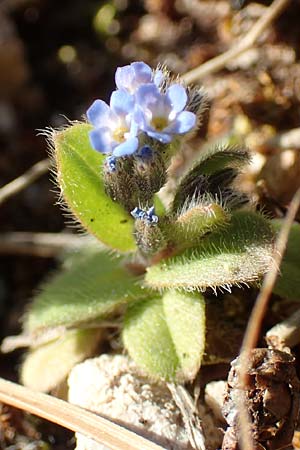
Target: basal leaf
[165,336]
[92,287]
[80,180]
[48,365]
[239,254]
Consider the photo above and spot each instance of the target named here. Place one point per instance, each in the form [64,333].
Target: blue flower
[145,153]
[148,217]
[161,115]
[131,77]
[114,130]
[111,163]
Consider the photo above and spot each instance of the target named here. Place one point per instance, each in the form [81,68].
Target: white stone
[214,397]
[110,385]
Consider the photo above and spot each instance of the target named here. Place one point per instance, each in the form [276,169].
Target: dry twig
[45,245]
[257,315]
[24,180]
[286,333]
[220,61]
[73,417]
[189,414]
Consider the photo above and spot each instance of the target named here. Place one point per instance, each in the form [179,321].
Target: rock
[110,385]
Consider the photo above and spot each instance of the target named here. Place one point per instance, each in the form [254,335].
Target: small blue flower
[131,77]
[111,163]
[144,153]
[161,115]
[114,130]
[148,217]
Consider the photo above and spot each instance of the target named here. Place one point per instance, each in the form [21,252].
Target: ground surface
[56,57]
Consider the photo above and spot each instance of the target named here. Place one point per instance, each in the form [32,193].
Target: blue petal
[138,213]
[158,77]
[124,77]
[100,140]
[177,96]
[111,163]
[134,127]
[126,148]
[161,137]
[142,71]
[121,102]
[98,113]
[183,123]
[139,118]
[148,217]
[147,95]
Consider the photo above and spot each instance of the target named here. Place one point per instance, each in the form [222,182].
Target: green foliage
[195,221]
[80,179]
[288,282]
[212,175]
[239,254]
[166,335]
[94,286]
[48,365]
[219,158]
[212,243]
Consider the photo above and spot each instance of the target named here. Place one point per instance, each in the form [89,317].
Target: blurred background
[56,57]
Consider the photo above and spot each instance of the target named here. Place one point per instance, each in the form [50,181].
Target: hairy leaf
[213,174]
[194,221]
[80,179]
[94,286]
[48,365]
[218,158]
[239,254]
[166,335]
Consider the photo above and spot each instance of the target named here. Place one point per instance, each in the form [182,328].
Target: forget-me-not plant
[206,239]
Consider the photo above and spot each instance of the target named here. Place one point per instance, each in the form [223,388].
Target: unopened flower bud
[197,218]
[149,173]
[119,182]
[148,234]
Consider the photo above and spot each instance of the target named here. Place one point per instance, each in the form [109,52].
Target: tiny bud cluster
[146,216]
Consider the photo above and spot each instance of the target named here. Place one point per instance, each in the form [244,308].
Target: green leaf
[166,336]
[195,221]
[80,179]
[160,209]
[288,281]
[239,254]
[48,365]
[94,286]
[221,157]
[213,174]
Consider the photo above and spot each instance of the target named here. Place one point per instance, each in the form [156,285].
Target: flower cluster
[144,104]
[148,217]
